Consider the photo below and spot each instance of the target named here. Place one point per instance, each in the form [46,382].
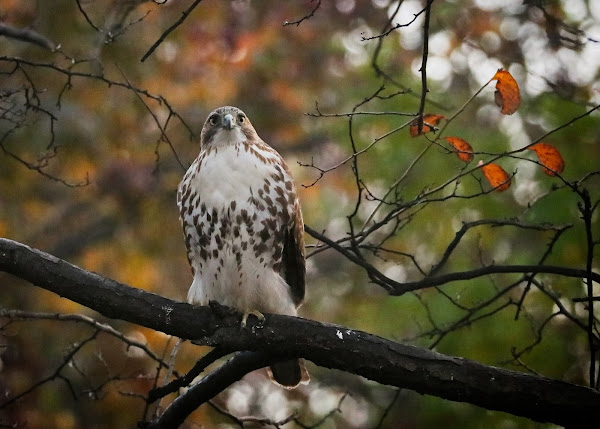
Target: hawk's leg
[258,314]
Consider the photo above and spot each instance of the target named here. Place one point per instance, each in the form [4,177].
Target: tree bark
[538,398]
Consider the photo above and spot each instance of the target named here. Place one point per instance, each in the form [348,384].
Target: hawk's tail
[289,373]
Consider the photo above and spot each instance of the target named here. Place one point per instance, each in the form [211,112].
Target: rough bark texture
[538,398]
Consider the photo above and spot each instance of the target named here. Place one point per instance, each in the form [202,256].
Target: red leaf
[464,149]
[550,158]
[430,122]
[507,94]
[496,176]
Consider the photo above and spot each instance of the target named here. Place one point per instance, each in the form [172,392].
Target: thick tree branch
[330,346]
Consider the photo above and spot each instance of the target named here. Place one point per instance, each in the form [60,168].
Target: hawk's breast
[236,202]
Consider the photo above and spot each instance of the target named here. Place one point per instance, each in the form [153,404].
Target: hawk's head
[226,125]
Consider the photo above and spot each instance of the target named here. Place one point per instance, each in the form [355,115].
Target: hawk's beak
[228,121]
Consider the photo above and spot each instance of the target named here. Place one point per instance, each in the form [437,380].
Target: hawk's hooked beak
[228,121]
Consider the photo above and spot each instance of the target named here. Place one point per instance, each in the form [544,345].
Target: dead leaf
[507,95]
[550,158]
[463,148]
[496,176]
[430,121]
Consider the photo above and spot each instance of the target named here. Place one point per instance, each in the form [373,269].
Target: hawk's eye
[241,118]
[213,120]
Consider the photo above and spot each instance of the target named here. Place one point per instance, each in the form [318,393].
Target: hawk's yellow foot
[258,314]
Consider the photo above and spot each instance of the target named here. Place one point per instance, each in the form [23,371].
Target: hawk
[243,227]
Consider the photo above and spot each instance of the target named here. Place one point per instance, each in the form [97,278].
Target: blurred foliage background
[93,143]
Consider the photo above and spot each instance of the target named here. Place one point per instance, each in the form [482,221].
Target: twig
[56,374]
[249,419]
[387,409]
[395,185]
[423,70]
[304,18]
[81,318]
[85,15]
[337,409]
[27,35]
[186,379]
[163,132]
[397,26]
[587,211]
[177,23]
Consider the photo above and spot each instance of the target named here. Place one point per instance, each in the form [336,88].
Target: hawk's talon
[258,314]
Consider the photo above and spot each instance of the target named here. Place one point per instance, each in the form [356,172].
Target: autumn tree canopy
[447,158]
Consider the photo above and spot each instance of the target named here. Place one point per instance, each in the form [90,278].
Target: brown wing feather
[293,263]
[184,192]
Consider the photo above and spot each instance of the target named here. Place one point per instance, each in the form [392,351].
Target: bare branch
[86,16]
[587,212]
[398,25]
[163,132]
[71,73]
[186,379]
[397,288]
[249,419]
[387,409]
[304,18]
[56,374]
[81,318]
[27,35]
[423,69]
[169,30]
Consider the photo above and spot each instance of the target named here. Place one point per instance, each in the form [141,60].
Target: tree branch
[585,207]
[211,385]
[398,288]
[304,18]
[169,30]
[538,398]
[423,69]
[27,35]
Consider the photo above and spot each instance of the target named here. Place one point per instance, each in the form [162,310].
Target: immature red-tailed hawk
[243,227]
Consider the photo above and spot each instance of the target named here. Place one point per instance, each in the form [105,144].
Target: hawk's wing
[293,264]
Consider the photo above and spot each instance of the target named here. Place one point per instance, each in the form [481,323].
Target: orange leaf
[550,158]
[430,120]
[464,149]
[507,94]
[498,178]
